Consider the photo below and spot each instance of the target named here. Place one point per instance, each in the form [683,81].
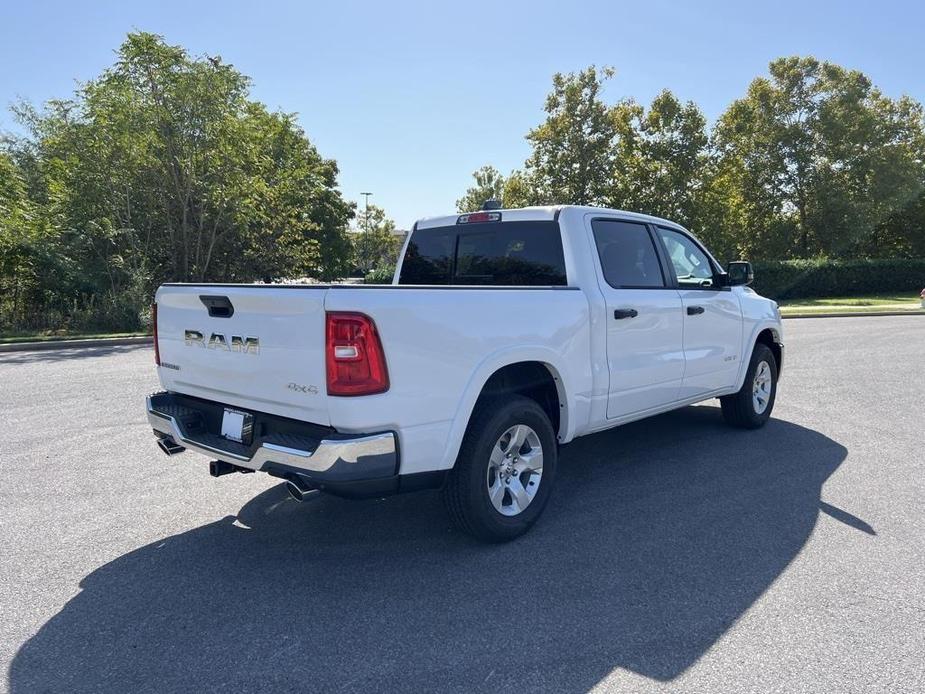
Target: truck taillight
[353,351]
[157,351]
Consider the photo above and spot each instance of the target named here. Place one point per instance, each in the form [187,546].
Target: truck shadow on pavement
[68,354]
[660,535]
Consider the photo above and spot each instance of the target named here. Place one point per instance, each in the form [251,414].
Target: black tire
[739,409]
[466,493]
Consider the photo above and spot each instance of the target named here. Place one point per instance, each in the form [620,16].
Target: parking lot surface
[676,553]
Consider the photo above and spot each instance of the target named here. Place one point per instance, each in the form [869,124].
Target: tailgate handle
[218,306]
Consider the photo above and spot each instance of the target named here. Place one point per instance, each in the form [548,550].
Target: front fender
[774,325]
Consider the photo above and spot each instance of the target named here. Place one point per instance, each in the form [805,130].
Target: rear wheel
[751,407]
[505,470]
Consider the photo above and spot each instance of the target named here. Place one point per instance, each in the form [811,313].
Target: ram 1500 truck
[504,334]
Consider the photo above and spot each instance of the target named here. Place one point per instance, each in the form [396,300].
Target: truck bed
[438,343]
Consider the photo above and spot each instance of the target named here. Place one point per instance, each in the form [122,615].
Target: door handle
[622,313]
[694,310]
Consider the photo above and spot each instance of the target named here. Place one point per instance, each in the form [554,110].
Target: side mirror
[739,273]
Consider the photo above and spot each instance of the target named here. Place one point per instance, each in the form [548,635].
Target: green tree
[489,185]
[375,242]
[520,190]
[573,149]
[661,158]
[17,271]
[161,169]
[13,203]
[901,236]
[818,157]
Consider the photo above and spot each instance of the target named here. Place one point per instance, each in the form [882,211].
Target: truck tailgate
[262,347]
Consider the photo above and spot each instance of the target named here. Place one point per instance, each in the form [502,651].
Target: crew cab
[505,334]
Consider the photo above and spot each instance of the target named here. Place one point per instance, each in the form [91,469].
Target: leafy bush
[800,279]
[380,275]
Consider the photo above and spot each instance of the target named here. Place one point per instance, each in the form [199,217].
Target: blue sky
[410,98]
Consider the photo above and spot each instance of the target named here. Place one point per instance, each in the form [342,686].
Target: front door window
[691,265]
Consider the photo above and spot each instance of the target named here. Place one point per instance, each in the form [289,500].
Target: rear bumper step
[282,449]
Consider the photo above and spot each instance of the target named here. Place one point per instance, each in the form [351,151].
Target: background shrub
[380,275]
[800,279]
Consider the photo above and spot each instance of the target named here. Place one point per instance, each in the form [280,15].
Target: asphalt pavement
[676,553]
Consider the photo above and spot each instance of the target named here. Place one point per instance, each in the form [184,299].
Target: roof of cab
[525,214]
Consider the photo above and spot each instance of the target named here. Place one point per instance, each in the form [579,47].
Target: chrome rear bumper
[369,456]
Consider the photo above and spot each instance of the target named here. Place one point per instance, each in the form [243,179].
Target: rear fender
[484,371]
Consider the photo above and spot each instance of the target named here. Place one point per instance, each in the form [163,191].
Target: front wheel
[751,407]
[505,470]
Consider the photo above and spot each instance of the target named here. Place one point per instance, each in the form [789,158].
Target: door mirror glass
[740,273]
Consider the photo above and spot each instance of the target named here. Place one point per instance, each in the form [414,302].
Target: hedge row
[804,279]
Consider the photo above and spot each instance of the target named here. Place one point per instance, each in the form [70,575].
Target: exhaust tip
[300,491]
[169,446]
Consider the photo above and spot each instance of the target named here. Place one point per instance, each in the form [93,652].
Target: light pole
[366,236]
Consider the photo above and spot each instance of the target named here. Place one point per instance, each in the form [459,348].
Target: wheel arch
[770,335]
[771,338]
[537,374]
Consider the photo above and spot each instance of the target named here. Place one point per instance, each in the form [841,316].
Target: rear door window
[491,253]
[627,253]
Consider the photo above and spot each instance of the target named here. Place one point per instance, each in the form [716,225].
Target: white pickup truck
[504,334]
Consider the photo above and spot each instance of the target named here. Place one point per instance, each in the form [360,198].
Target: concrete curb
[855,314]
[74,344]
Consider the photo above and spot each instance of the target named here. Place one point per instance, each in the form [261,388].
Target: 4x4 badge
[308,390]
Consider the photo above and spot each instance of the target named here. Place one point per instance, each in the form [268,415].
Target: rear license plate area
[238,426]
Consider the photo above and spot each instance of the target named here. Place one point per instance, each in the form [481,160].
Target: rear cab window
[520,253]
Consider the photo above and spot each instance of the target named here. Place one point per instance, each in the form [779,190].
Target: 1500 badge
[237,343]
